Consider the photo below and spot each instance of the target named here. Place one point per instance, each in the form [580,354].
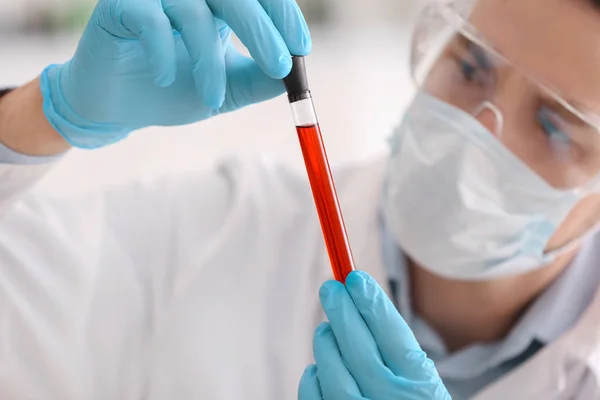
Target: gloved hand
[170,62]
[366,351]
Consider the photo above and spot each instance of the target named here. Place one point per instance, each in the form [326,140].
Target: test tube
[319,173]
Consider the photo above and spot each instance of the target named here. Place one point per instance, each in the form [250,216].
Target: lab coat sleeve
[186,219]
[100,269]
[160,221]
[158,225]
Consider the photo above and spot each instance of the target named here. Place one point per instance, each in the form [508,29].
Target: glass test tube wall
[319,173]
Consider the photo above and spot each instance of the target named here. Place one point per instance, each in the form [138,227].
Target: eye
[559,139]
[468,70]
[474,66]
[553,126]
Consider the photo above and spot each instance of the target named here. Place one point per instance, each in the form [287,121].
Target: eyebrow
[478,52]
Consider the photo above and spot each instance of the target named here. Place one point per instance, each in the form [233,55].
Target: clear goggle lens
[453,62]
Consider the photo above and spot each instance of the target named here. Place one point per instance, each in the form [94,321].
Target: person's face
[558,43]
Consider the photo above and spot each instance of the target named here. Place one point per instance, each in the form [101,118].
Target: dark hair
[4,91]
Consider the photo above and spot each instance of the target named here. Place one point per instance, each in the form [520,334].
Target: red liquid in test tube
[328,208]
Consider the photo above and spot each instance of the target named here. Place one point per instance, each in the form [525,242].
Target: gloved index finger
[289,21]
[151,26]
[398,346]
[250,22]
[195,21]
[357,346]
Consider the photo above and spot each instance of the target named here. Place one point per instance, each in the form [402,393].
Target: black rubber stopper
[296,83]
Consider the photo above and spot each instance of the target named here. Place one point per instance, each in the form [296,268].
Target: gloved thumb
[247,83]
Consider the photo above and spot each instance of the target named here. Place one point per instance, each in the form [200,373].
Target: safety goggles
[452,61]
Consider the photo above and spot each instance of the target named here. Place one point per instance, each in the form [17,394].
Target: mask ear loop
[498,117]
[581,193]
[575,243]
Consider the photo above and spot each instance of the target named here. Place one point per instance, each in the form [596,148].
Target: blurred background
[358,72]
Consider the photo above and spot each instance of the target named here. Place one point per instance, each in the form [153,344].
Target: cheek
[584,216]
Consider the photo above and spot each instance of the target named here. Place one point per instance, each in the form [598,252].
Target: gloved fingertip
[310,370]
[362,285]
[309,388]
[365,276]
[306,43]
[220,102]
[214,102]
[327,289]
[324,292]
[164,79]
[356,278]
[285,61]
[220,95]
[322,328]
[211,87]
[284,66]
[209,95]
[307,48]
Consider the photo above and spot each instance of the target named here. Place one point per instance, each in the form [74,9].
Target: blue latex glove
[170,62]
[366,351]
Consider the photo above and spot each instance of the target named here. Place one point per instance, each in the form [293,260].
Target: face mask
[461,204]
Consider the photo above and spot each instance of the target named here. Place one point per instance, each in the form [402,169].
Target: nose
[491,117]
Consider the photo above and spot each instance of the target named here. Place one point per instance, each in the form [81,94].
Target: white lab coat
[203,286]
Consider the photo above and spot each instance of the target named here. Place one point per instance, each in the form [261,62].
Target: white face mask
[461,204]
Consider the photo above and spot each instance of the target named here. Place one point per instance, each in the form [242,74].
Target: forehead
[556,41]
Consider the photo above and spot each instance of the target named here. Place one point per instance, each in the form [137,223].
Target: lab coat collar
[566,369]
